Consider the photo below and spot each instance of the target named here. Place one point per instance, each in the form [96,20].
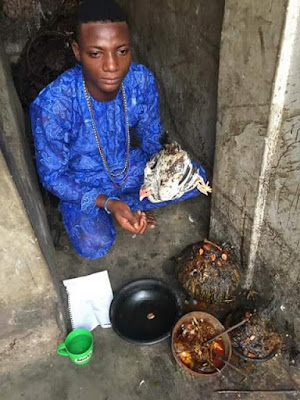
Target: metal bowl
[216,324]
[144,311]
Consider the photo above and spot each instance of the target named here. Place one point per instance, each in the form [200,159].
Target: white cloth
[89,300]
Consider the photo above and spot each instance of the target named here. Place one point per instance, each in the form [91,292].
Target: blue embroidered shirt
[67,156]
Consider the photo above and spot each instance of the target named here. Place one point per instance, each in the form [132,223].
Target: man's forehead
[106,31]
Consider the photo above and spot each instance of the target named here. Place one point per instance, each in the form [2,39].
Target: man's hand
[147,220]
[137,222]
[133,222]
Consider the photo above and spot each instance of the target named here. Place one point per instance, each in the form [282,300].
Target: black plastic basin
[144,311]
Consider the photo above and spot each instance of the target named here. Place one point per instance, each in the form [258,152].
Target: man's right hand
[125,217]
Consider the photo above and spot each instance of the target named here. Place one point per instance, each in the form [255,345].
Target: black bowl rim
[255,360]
[134,283]
[238,353]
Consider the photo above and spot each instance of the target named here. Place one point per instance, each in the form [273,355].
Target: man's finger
[142,223]
[152,222]
[128,227]
[131,218]
[150,218]
[144,227]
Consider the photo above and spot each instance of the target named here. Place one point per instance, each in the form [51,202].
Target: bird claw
[204,187]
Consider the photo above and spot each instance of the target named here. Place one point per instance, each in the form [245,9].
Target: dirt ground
[123,371]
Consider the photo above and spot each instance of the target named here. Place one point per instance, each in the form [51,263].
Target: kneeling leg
[91,235]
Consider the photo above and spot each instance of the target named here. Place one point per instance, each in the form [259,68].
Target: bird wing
[170,173]
[175,176]
[150,170]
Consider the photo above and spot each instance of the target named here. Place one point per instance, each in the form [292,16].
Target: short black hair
[100,11]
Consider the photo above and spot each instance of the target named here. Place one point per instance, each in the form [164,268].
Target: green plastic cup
[78,346]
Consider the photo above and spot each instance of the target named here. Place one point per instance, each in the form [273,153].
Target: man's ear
[75,48]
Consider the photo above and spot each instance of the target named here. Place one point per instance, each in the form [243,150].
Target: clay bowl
[216,325]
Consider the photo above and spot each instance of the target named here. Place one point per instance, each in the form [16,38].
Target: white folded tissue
[89,300]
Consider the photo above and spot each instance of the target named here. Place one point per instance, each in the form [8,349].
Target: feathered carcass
[169,174]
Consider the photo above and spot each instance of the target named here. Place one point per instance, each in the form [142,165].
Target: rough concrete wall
[20,19]
[249,48]
[29,329]
[16,152]
[179,41]
[279,256]
[251,37]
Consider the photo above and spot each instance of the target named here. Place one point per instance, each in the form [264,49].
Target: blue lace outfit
[68,159]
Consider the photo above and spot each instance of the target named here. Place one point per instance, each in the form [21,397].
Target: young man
[81,125]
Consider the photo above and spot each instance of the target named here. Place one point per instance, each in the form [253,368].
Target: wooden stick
[213,244]
[257,391]
[226,331]
[216,368]
[233,367]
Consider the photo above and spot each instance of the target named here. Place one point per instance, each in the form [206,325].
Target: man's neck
[99,95]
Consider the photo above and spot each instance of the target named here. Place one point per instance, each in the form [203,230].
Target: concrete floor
[120,370]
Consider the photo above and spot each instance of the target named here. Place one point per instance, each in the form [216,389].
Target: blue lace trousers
[92,235]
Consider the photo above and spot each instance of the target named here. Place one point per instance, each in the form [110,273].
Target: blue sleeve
[149,127]
[51,132]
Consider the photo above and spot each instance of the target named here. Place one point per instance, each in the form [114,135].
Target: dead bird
[169,174]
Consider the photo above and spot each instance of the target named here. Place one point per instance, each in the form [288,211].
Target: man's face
[104,52]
